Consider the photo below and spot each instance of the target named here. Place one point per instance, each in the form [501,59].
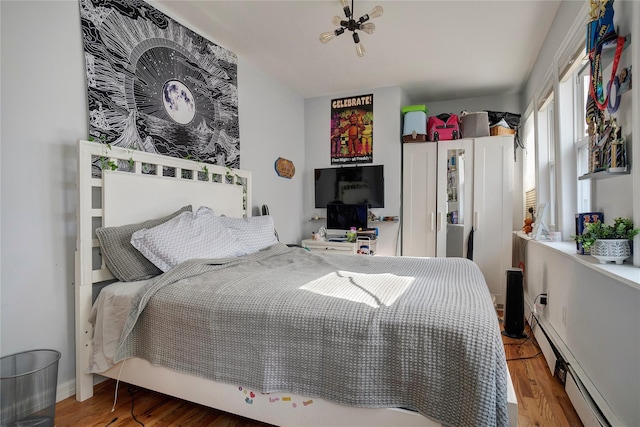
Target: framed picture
[352,130]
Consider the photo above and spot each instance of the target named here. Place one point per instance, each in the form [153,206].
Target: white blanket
[108,315]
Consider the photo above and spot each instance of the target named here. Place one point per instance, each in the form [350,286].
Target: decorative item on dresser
[290,297]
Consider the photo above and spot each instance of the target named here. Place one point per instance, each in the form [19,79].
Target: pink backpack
[443,127]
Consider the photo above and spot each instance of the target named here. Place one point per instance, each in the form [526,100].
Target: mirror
[455,202]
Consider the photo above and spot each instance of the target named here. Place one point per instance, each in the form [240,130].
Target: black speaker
[514,308]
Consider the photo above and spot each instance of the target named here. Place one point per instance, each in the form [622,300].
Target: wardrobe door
[454,197]
[419,162]
[493,210]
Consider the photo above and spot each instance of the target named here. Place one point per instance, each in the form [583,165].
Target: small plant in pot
[608,242]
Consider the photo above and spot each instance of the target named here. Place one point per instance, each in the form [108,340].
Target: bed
[295,338]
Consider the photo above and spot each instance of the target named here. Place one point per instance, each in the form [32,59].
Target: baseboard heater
[588,403]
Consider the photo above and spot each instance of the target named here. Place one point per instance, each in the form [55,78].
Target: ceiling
[434,50]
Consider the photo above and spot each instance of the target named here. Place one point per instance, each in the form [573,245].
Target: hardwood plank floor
[542,401]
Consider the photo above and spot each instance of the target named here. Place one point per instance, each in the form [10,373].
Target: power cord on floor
[532,327]
[525,357]
[131,392]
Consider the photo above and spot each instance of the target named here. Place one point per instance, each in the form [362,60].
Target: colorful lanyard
[595,86]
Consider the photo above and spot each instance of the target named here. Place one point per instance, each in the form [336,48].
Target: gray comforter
[362,331]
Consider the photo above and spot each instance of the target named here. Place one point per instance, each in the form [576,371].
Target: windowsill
[624,273]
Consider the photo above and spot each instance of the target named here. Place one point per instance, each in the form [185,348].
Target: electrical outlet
[560,371]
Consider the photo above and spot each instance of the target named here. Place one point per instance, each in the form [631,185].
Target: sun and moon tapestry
[352,130]
[156,86]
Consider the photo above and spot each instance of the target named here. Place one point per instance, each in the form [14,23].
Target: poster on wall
[352,130]
[156,86]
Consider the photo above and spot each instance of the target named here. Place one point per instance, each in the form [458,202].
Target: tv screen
[343,217]
[350,185]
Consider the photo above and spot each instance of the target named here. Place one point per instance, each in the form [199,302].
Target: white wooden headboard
[133,188]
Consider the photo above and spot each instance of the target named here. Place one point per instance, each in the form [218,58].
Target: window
[551,142]
[529,181]
[582,138]
[546,159]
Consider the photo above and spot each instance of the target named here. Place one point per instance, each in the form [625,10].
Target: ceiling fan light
[368,27]
[352,25]
[327,36]
[376,12]
[345,8]
[359,46]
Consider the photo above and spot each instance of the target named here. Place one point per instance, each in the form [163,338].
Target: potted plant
[608,242]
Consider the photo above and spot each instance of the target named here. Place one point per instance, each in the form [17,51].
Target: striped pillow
[124,261]
[254,233]
[187,236]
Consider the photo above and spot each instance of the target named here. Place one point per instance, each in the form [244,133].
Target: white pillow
[187,236]
[254,233]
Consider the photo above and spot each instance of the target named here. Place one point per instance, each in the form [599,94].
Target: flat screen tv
[350,185]
[343,216]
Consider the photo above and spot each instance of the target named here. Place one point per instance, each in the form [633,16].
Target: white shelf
[376,221]
[625,273]
[603,174]
[341,247]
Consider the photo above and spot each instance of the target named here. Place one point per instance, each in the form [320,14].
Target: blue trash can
[29,381]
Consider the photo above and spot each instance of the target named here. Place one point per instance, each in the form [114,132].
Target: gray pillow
[123,260]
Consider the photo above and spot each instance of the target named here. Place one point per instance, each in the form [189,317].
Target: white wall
[44,114]
[272,126]
[565,16]
[595,316]
[386,151]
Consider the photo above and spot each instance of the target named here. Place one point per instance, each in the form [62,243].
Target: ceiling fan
[352,25]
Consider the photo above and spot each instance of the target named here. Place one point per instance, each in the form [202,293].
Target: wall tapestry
[352,130]
[156,86]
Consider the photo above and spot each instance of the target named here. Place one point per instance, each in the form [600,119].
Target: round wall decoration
[285,168]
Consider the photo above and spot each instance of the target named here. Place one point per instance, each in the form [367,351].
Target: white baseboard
[65,390]
[582,404]
[582,392]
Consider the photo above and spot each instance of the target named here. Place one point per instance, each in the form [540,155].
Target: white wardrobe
[454,191]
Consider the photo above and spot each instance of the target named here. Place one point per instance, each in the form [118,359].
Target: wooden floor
[542,401]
